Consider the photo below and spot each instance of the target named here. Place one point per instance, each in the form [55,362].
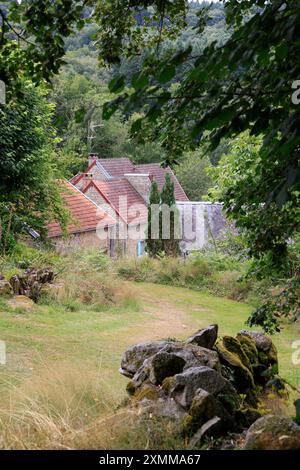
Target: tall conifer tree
[153,244]
[170,245]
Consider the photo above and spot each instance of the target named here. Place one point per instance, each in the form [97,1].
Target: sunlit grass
[61,387]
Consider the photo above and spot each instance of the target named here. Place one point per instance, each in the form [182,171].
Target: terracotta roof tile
[121,195]
[117,167]
[85,215]
[159,173]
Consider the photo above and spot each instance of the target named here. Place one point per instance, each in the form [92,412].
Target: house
[122,189]
[125,204]
[89,225]
[139,176]
[111,198]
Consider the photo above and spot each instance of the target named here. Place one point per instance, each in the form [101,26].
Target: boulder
[273,433]
[204,407]
[244,417]
[164,365]
[142,374]
[21,302]
[193,355]
[198,383]
[249,348]
[5,288]
[206,337]
[188,382]
[135,356]
[147,391]
[265,365]
[262,342]
[297,408]
[31,282]
[232,355]
[170,360]
[235,347]
[276,384]
[163,408]
[213,427]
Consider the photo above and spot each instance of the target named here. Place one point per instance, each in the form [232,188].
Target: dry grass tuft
[88,279]
[72,408]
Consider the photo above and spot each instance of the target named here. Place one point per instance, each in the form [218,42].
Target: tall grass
[67,407]
[86,280]
[73,408]
[215,273]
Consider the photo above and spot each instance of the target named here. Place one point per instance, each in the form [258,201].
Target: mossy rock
[231,353]
[230,402]
[234,346]
[188,426]
[249,348]
[272,355]
[205,406]
[268,365]
[5,288]
[149,392]
[263,358]
[273,433]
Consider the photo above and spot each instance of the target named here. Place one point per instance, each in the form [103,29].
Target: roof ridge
[106,198]
[89,199]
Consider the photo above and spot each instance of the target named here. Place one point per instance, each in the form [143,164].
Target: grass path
[198,310]
[52,336]
[61,379]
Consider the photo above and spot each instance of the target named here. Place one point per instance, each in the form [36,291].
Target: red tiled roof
[78,177]
[117,167]
[85,215]
[159,174]
[74,180]
[121,195]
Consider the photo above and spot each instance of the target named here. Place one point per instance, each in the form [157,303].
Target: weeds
[215,273]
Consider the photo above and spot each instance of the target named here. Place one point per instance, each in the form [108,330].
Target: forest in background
[251,166]
[81,89]
[207,90]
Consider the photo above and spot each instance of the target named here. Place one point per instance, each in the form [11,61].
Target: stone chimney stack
[92,157]
[141,182]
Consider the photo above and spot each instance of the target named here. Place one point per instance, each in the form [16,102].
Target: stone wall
[81,240]
[129,236]
[202,223]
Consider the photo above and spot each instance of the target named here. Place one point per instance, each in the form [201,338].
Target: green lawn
[61,380]
[54,335]
[203,309]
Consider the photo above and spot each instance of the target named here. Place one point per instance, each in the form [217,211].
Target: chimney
[141,183]
[92,157]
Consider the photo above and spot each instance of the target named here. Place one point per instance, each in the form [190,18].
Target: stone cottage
[113,194]
[89,225]
[123,188]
